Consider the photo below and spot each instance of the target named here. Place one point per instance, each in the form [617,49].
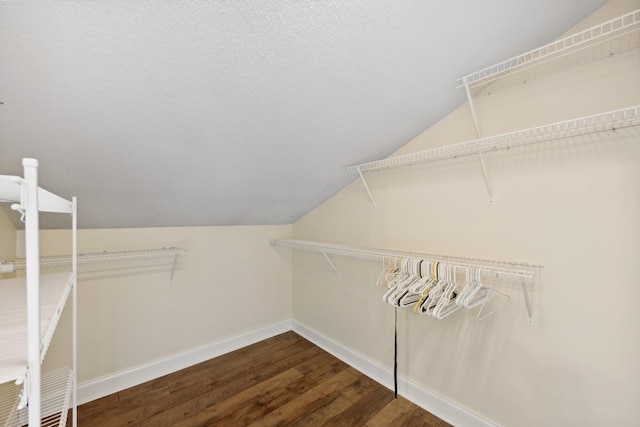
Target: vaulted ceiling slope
[167,113]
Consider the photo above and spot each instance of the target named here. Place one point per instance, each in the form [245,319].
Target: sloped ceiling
[180,113]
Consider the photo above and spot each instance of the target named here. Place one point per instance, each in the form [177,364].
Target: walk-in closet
[311,213]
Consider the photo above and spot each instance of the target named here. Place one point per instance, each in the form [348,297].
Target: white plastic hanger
[424,289]
[413,268]
[478,315]
[402,275]
[388,273]
[479,293]
[409,297]
[447,303]
[435,292]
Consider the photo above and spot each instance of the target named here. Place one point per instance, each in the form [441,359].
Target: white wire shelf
[97,258]
[602,40]
[54,292]
[12,189]
[521,271]
[56,396]
[610,120]
[524,273]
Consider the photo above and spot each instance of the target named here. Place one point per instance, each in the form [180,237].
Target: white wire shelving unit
[57,261]
[105,257]
[522,273]
[608,38]
[602,122]
[30,308]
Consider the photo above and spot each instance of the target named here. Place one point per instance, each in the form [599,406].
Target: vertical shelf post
[74,269]
[30,206]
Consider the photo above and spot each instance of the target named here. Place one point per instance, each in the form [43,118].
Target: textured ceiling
[167,113]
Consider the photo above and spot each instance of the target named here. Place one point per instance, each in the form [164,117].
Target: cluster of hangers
[435,287]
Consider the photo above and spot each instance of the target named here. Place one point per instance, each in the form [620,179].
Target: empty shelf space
[54,290]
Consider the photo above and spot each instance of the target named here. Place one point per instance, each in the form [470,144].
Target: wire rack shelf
[602,40]
[522,271]
[97,258]
[607,121]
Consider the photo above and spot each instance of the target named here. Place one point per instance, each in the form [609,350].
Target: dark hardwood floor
[282,381]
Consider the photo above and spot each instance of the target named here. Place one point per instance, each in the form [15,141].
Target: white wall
[231,282]
[7,238]
[7,252]
[571,205]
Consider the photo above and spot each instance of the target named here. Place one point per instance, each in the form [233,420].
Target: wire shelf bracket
[333,266]
[366,187]
[487,181]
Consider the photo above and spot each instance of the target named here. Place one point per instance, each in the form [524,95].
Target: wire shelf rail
[607,121]
[97,258]
[616,28]
[522,272]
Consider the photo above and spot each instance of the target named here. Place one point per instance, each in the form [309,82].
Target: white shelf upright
[34,320]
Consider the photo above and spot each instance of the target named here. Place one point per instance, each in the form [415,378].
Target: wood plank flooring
[282,381]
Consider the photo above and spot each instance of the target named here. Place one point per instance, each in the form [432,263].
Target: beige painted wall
[7,238]
[7,252]
[230,283]
[572,206]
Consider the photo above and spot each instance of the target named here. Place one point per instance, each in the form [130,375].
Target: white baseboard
[107,385]
[427,399]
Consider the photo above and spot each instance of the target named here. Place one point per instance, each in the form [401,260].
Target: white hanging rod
[97,258]
[521,271]
[610,120]
[600,33]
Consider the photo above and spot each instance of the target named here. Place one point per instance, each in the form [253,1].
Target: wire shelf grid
[521,271]
[97,258]
[56,397]
[625,25]
[601,122]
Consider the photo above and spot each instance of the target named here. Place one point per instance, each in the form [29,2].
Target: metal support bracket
[527,302]
[330,262]
[373,202]
[173,269]
[23,397]
[487,182]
